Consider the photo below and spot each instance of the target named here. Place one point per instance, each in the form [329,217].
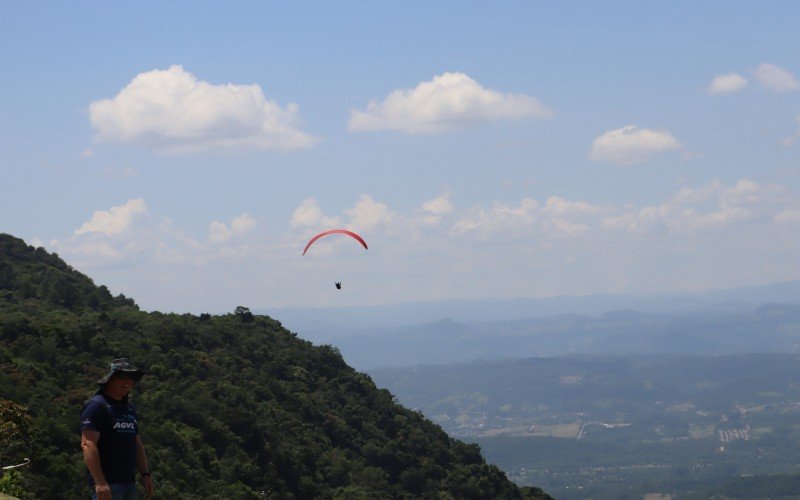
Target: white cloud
[691,218]
[501,217]
[115,220]
[559,207]
[121,233]
[219,232]
[368,214]
[558,217]
[242,224]
[630,144]
[439,206]
[714,205]
[698,232]
[436,208]
[171,110]
[636,220]
[570,217]
[725,84]
[97,251]
[450,100]
[130,234]
[776,78]
[309,215]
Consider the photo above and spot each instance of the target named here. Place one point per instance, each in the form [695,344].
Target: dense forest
[232,406]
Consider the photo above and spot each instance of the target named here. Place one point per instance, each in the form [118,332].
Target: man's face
[120,384]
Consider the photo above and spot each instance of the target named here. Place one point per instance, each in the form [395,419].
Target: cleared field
[556,430]
[563,430]
[701,431]
[757,432]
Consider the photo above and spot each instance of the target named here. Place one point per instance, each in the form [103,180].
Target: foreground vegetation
[233,406]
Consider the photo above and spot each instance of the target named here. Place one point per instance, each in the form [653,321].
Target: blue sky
[183,154]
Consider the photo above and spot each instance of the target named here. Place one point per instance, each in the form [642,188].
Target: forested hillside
[232,406]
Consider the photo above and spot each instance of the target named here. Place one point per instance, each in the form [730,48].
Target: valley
[620,427]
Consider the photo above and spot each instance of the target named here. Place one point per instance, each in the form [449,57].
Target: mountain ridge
[315,321]
[232,406]
[769,328]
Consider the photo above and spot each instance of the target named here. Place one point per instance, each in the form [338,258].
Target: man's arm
[91,455]
[141,466]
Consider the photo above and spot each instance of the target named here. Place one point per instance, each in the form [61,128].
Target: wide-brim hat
[122,366]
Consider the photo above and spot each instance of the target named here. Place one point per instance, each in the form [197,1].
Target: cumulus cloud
[500,217]
[448,101]
[570,217]
[776,78]
[131,233]
[110,236]
[560,207]
[714,205]
[557,217]
[310,215]
[219,232]
[725,84]
[171,110]
[368,214]
[114,220]
[242,224]
[629,145]
[752,223]
[437,208]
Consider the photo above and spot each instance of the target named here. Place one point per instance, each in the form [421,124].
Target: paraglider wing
[335,231]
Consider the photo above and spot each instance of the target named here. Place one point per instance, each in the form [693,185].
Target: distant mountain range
[321,323]
[768,328]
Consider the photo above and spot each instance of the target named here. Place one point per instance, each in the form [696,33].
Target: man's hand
[147,484]
[103,491]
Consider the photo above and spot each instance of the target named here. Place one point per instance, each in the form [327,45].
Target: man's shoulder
[95,413]
[97,399]
[95,403]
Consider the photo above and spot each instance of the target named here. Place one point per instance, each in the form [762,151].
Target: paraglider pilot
[338,285]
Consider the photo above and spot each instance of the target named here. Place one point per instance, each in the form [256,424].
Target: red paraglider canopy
[335,231]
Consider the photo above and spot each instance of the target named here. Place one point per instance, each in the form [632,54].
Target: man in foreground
[112,448]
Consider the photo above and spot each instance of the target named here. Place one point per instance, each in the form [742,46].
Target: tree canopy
[232,406]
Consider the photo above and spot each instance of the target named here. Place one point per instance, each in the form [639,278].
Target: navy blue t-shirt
[118,427]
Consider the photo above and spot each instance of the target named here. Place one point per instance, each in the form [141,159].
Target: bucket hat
[122,366]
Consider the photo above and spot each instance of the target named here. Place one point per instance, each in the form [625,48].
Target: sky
[183,153]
